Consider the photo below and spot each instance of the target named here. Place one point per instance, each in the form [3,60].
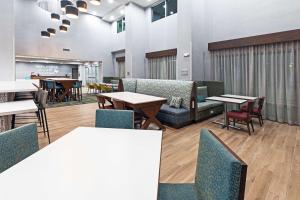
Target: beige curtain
[162,68]
[272,71]
[121,66]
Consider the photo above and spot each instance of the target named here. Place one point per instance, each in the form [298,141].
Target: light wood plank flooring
[272,153]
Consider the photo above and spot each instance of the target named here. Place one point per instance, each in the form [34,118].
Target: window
[171,7]
[121,25]
[164,9]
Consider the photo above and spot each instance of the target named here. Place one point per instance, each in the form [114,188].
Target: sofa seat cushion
[208,104]
[177,192]
[176,116]
[174,111]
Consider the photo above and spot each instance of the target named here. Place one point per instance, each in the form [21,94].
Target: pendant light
[52,31]
[66,23]
[81,5]
[55,17]
[71,12]
[63,29]
[95,2]
[64,4]
[45,34]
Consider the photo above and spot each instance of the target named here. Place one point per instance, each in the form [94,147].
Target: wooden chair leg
[252,125]
[259,120]
[248,128]
[227,123]
[262,120]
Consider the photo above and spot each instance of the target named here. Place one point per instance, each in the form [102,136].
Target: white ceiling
[110,10]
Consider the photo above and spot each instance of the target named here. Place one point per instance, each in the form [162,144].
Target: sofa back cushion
[167,89]
[129,85]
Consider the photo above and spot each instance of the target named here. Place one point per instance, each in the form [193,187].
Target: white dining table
[17,107]
[89,163]
[226,101]
[18,86]
[239,97]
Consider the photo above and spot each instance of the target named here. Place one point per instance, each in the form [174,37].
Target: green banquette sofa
[175,117]
[206,109]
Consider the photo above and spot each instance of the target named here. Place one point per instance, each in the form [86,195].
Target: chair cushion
[177,192]
[175,102]
[200,99]
[208,104]
[202,91]
[176,116]
[237,115]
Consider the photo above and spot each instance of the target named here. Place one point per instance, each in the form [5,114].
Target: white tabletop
[133,98]
[89,164]
[239,97]
[17,86]
[17,107]
[62,79]
[227,100]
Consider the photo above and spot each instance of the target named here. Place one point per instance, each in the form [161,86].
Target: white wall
[162,34]
[7,52]
[231,19]
[135,44]
[89,38]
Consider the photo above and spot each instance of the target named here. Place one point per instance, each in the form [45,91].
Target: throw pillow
[176,102]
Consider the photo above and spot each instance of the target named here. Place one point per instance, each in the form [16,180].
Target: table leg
[151,113]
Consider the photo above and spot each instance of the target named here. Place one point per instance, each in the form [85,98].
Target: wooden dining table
[67,83]
[149,105]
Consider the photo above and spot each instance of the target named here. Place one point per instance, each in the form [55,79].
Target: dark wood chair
[257,111]
[241,116]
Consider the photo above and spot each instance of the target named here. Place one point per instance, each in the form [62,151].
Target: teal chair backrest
[123,119]
[17,144]
[220,173]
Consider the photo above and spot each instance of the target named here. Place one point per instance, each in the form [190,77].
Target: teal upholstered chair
[17,144]
[220,175]
[107,118]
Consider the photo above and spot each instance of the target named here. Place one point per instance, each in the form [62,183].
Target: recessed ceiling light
[111,1]
[122,11]
[95,2]
[112,18]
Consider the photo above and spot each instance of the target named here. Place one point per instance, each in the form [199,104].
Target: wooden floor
[272,153]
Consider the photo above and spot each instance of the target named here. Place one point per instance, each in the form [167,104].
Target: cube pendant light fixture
[95,2]
[71,12]
[81,5]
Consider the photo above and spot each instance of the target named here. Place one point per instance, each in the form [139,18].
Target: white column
[7,46]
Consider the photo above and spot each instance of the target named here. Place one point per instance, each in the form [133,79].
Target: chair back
[221,174]
[250,107]
[17,144]
[43,99]
[107,118]
[50,84]
[261,102]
